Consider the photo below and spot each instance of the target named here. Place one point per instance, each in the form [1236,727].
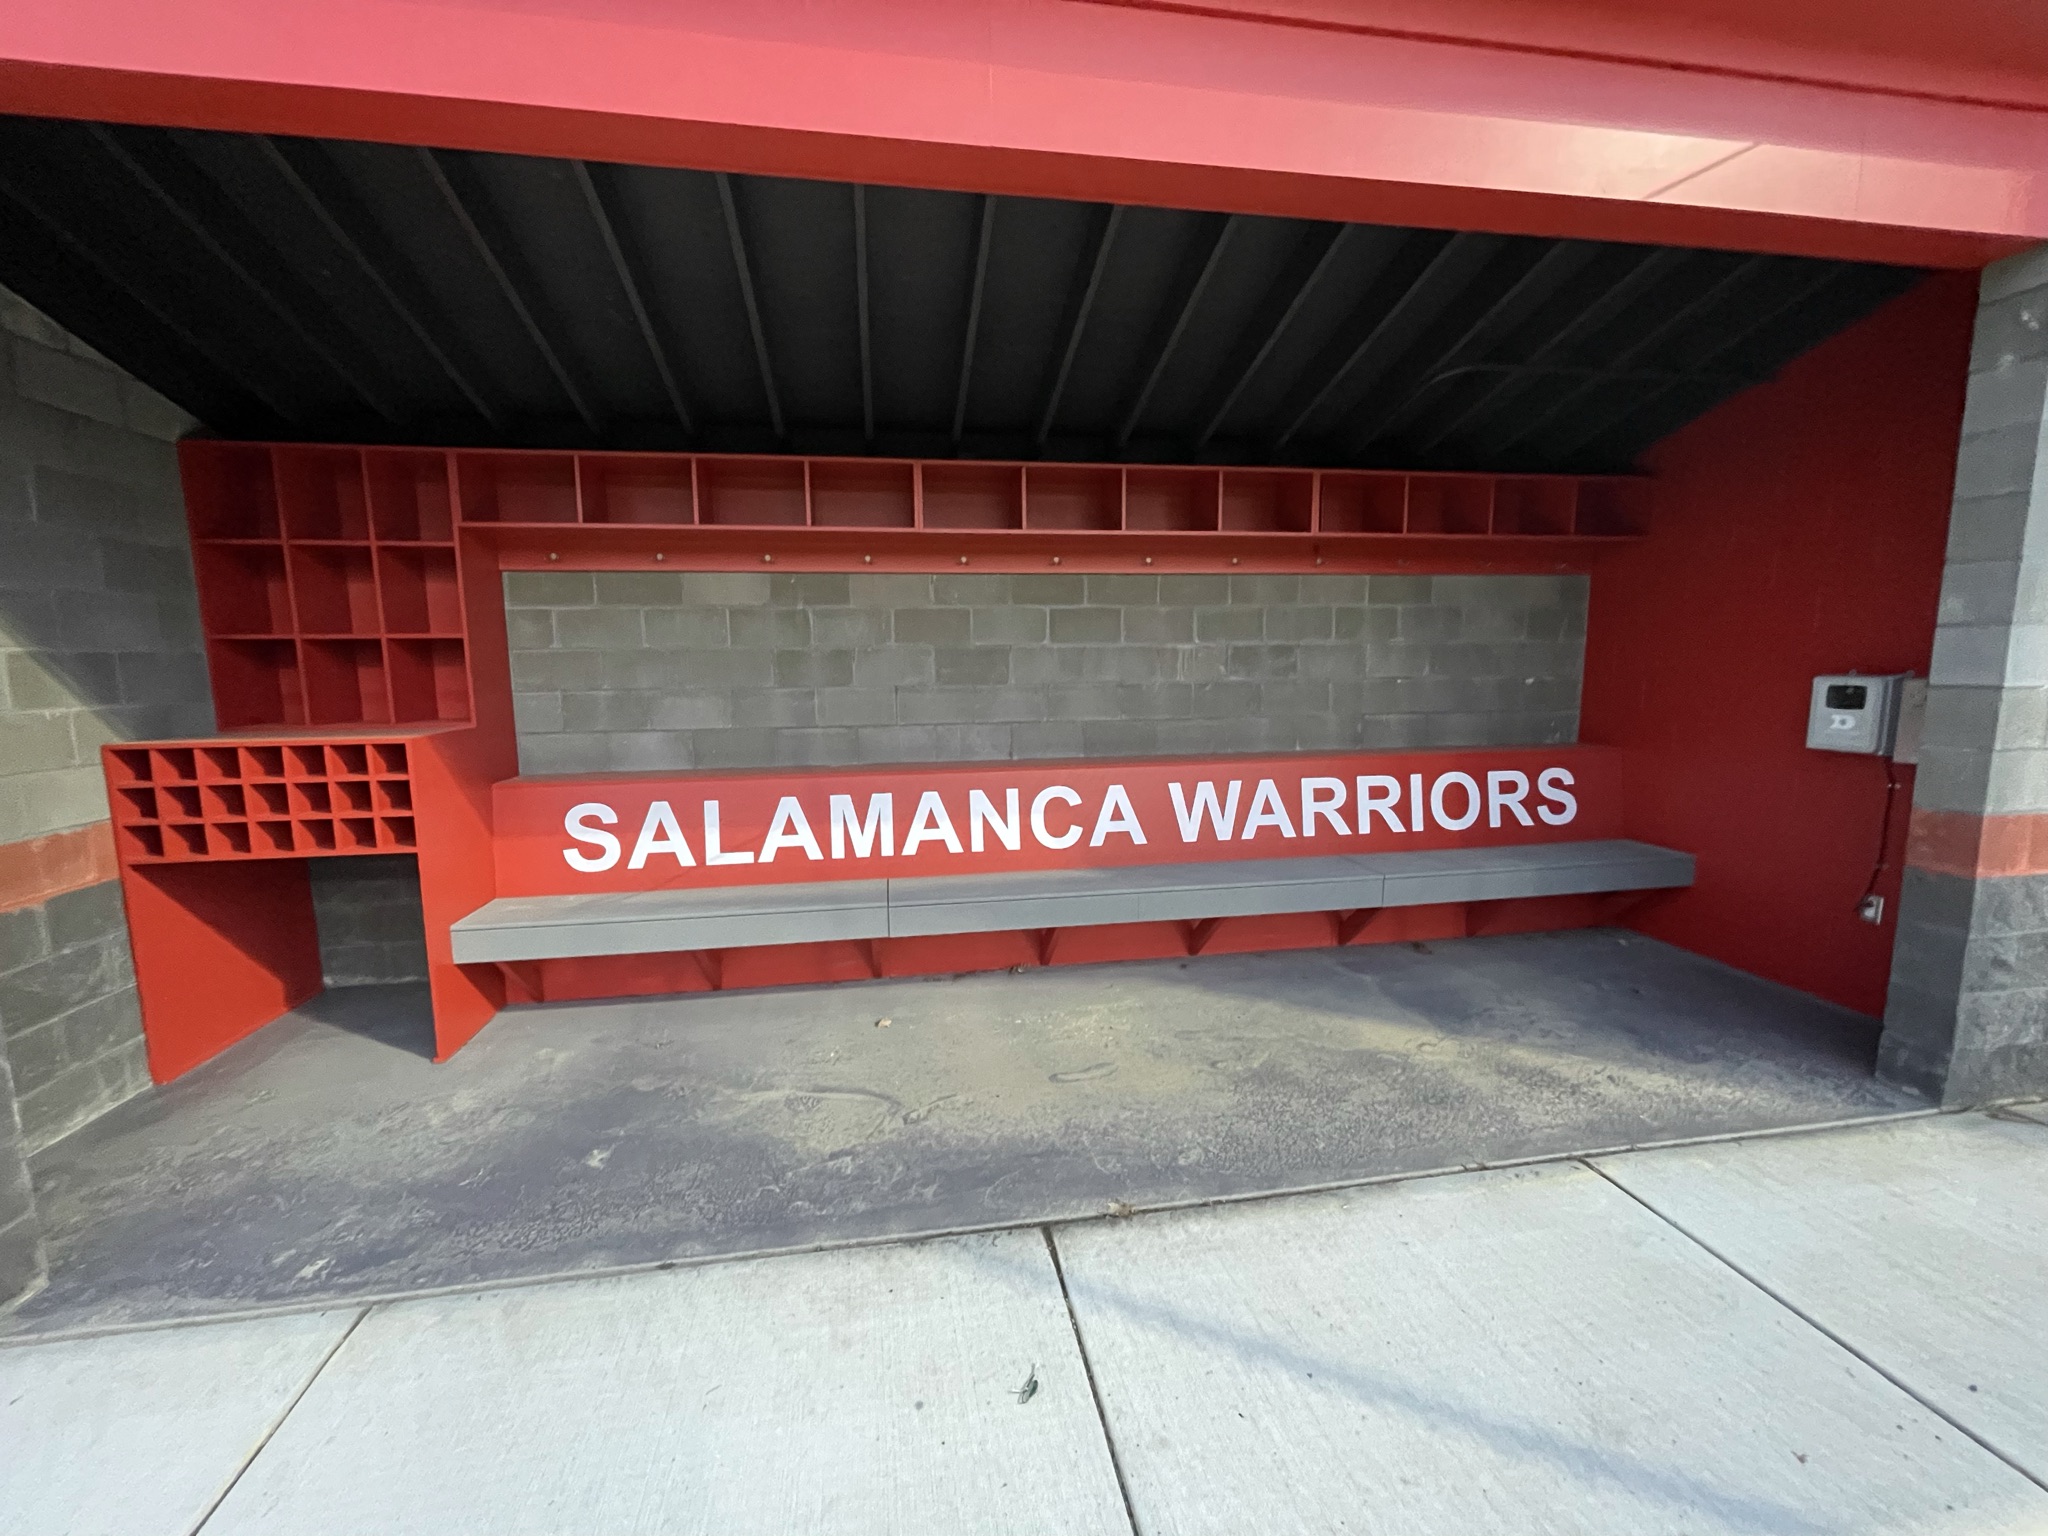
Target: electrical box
[1852,713]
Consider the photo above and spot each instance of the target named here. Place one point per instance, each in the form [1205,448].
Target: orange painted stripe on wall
[38,868]
[1958,843]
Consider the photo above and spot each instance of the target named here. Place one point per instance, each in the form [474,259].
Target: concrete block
[934,743]
[690,669]
[1399,589]
[1008,625]
[930,626]
[1046,738]
[69,383]
[850,628]
[1119,738]
[638,589]
[126,566]
[33,743]
[691,711]
[599,629]
[82,1095]
[729,589]
[1266,590]
[1300,622]
[1119,591]
[677,629]
[533,712]
[1086,626]
[1154,701]
[976,590]
[1159,626]
[2000,462]
[46,558]
[587,713]
[1049,591]
[529,629]
[856,706]
[2013,275]
[816,748]
[85,916]
[2007,395]
[891,590]
[550,589]
[753,747]
[897,666]
[1194,591]
[163,677]
[145,411]
[32,804]
[1365,623]
[1262,661]
[564,754]
[24,935]
[1337,590]
[1226,624]
[774,706]
[813,669]
[1994,527]
[1231,700]
[771,628]
[2009,330]
[651,751]
[810,589]
[988,666]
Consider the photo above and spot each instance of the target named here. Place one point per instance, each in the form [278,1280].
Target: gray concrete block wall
[22,1258]
[68,1011]
[670,670]
[99,618]
[1966,1019]
[367,909]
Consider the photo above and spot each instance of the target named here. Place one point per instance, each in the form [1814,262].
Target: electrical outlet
[1871,909]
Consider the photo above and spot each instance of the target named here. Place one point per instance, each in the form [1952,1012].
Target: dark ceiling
[290,288]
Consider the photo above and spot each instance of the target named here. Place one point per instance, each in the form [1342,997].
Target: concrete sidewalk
[1841,1331]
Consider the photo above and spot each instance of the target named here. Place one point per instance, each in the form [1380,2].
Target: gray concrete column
[1967,1017]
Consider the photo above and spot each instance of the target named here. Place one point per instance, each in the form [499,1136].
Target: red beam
[1106,102]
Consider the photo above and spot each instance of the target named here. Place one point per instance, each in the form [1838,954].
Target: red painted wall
[1796,530]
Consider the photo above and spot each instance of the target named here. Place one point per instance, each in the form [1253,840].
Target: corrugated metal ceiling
[288,288]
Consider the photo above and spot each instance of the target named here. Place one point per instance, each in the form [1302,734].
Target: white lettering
[981,815]
[1370,802]
[1118,815]
[713,854]
[1267,811]
[1567,803]
[1324,798]
[846,826]
[578,825]
[1415,800]
[1038,830]
[661,833]
[1498,782]
[789,828]
[1222,818]
[1473,801]
[931,824]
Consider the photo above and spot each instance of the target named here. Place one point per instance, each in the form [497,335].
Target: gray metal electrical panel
[1854,713]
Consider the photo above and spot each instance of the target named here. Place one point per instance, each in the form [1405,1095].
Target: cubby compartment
[269,799]
[1171,500]
[1073,499]
[394,795]
[222,800]
[1362,503]
[631,489]
[218,765]
[312,798]
[1267,501]
[516,487]
[859,494]
[231,490]
[345,683]
[320,492]
[334,590]
[972,495]
[396,832]
[1536,506]
[242,589]
[256,682]
[262,762]
[271,839]
[355,834]
[128,765]
[351,795]
[133,803]
[409,496]
[429,680]
[388,757]
[1459,504]
[227,839]
[419,592]
[140,842]
[1612,508]
[185,840]
[309,762]
[752,493]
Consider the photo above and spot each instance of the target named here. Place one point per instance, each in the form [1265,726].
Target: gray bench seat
[522,928]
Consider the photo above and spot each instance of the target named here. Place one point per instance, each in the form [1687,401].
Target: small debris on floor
[882,1023]
[1030,1388]
[1119,1209]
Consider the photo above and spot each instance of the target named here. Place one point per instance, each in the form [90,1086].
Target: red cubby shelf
[330,582]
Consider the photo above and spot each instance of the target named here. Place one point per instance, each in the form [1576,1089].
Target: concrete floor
[1839,1333]
[326,1160]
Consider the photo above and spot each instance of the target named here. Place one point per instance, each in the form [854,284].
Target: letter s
[1567,803]
[578,825]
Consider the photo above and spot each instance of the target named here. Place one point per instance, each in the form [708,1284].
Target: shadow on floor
[324,1158]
